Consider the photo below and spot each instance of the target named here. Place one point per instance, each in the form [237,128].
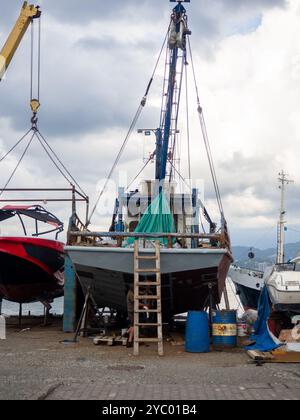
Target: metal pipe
[24,200]
[37,189]
[46,190]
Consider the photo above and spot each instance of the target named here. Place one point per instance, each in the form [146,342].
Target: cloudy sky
[97,58]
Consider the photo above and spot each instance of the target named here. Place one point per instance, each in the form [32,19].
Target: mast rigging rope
[188,124]
[140,172]
[130,131]
[206,139]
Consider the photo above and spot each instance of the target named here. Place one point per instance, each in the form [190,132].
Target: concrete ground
[36,364]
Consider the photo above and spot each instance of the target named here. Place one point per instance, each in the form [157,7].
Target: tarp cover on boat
[157,219]
[264,339]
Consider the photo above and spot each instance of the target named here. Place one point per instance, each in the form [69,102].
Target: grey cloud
[152,9]
[78,99]
[79,12]
[261,178]
[104,93]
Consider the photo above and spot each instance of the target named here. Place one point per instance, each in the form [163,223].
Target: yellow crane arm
[28,12]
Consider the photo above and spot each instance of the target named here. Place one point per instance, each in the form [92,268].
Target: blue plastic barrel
[224,329]
[197,332]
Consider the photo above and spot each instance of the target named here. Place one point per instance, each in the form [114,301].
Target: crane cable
[39,134]
[34,129]
[35,99]
[51,154]
[206,139]
[62,168]
[129,133]
[15,146]
[18,164]
[52,159]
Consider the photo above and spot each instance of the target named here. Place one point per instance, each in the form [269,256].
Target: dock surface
[36,365]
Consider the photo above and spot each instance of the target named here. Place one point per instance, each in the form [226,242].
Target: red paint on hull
[31,269]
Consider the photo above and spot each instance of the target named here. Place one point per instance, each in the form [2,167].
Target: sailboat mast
[283,180]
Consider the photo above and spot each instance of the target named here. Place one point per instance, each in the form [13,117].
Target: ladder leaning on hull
[138,297]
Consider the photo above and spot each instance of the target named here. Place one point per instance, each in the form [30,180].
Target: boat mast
[283,180]
[177,41]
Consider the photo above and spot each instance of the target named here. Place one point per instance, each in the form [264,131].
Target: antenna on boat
[283,180]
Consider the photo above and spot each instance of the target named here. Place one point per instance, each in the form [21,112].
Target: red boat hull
[31,269]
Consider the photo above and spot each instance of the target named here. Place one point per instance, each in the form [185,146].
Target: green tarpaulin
[157,219]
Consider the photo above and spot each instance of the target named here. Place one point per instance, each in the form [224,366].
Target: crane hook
[34,105]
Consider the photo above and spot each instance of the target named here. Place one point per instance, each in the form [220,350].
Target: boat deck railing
[199,240]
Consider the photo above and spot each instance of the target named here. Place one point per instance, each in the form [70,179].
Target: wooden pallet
[110,340]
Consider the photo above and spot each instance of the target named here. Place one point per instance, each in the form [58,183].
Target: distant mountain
[262,257]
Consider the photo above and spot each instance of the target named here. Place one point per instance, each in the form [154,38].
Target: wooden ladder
[138,297]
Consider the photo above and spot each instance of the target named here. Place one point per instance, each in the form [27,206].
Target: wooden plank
[144,311]
[276,356]
[148,340]
[259,356]
[146,270]
[147,258]
[148,283]
[282,356]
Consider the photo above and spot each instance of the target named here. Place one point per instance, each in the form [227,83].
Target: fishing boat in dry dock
[195,254]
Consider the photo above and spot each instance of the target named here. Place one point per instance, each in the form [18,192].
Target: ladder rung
[144,311]
[156,297]
[148,283]
[148,340]
[140,257]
